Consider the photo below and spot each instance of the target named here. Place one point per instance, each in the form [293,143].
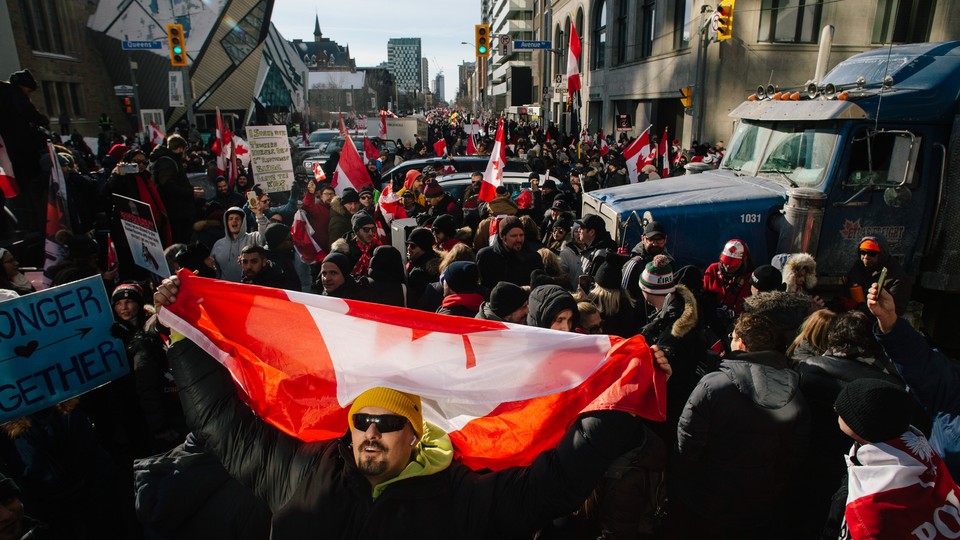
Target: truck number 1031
[749,218]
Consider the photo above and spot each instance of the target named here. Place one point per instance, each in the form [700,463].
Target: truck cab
[870,150]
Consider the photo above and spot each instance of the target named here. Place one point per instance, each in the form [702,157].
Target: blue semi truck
[872,149]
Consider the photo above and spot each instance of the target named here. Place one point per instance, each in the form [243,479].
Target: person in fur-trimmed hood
[800,273]
[675,327]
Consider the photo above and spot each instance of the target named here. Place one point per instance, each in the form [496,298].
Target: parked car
[336,145]
[450,165]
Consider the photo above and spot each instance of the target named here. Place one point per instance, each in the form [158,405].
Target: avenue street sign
[528,44]
[139,45]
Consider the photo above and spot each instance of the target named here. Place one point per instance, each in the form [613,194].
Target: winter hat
[732,252]
[462,277]
[869,244]
[366,189]
[549,184]
[610,273]
[505,298]
[501,190]
[657,277]
[127,291]
[342,262]
[8,488]
[445,224]
[361,220]
[81,245]
[654,229]
[275,234]
[507,223]
[422,238]
[766,278]
[349,195]
[875,409]
[23,78]
[408,193]
[401,403]
[387,265]
[432,189]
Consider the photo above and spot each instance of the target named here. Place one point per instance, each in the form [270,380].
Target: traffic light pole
[699,93]
[188,98]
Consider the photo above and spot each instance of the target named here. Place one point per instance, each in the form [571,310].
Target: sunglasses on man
[385,423]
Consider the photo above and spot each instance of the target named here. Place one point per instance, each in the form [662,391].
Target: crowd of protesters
[761,365]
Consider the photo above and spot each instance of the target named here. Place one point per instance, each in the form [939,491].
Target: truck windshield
[792,153]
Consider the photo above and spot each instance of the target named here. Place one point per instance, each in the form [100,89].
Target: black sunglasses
[869,253]
[385,422]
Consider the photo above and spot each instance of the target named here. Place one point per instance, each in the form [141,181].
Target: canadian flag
[665,154]
[370,152]
[241,149]
[155,134]
[901,488]
[604,147]
[390,205]
[351,172]
[383,124]
[342,126]
[573,69]
[222,146]
[440,148]
[303,243]
[8,182]
[493,176]
[639,154]
[471,146]
[318,173]
[476,378]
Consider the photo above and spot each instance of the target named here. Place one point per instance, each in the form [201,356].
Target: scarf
[366,253]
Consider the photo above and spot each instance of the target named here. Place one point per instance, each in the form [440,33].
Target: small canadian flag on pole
[573,69]
[493,176]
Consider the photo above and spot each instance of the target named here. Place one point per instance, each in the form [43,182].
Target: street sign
[505,40]
[527,44]
[558,78]
[123,91]
[139,45]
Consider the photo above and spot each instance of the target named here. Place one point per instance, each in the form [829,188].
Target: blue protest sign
[56,344]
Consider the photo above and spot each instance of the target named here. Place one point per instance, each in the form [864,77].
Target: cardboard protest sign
[137,220]
[270,154]
[56,344]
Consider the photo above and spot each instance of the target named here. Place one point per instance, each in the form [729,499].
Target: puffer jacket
[226,251]
[339,220]
[546,302]
[498,264]
[317,487]
[742,433]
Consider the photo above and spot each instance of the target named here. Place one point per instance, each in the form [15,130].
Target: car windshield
[792,153]
[321,137]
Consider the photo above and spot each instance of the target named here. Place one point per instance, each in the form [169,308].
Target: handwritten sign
[145,246]
[56,344]
[270,155]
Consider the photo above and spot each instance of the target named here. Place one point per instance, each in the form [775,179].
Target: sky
[366,25]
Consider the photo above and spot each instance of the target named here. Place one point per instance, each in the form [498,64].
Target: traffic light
[725,20]
[127,105]
[482,40]
[686,96]
[178,45]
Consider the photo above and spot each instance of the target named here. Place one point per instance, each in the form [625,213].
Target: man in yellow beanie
[385,426]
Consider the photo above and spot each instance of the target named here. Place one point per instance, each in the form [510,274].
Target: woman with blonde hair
[812,339]
[616,306]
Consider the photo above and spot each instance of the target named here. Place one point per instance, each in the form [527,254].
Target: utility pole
[699,93]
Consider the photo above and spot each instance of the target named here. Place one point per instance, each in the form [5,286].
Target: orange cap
[870,244]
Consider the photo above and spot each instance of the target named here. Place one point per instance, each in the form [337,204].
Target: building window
[62,98]
[77,99]
[243,38]
[682,21]
[646,27]
[49,94]
[599,35]
[621,31]
[790,21]
[903,21]
[41,21]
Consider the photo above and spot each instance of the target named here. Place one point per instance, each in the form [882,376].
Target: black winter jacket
[742,433]
[317,487]
[497,264]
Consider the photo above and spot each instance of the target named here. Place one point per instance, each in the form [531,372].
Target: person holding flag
[640,153]
[394,471]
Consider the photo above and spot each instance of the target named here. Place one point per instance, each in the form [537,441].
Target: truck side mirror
[897,197]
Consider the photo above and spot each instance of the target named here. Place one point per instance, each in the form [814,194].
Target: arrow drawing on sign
[27,350]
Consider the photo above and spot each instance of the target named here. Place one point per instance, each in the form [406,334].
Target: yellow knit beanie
[401,403]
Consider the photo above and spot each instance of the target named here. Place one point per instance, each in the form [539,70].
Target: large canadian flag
[573,55]
[223,148]
[503,392]
[493,176]
[639,154]
[351,172]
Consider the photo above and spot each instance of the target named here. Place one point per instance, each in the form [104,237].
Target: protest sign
[56,344]
[137,220]
[270,157]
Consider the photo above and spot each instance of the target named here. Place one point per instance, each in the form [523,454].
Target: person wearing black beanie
[551,306]
[508,303]
[335,279]
[387,277]
[615,304]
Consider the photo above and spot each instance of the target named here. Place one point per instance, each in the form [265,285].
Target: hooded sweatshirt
[226,251]
[546,302]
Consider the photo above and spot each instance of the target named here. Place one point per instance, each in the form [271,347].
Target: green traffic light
[482,49]
[178,50]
